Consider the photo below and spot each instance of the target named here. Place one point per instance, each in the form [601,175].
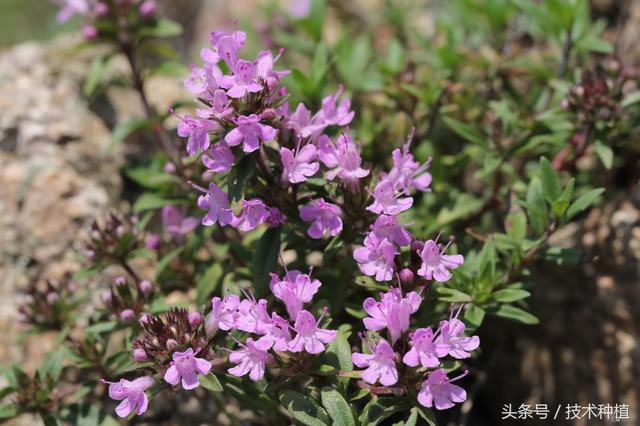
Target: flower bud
[406,276]
[268,114]
[153,242]
[89,32]
[170,167]
[139,355]
[121,280]
[417,246]
[172,344]
[144,319]
[127,315]
[145,287]
[106,298]
[195,318]
[52,297]
[148,8]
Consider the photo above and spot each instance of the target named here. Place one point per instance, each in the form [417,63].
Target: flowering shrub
[357,174]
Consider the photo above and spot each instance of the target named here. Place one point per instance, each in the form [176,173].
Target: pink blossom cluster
[297,331]
[245,112]
[427,347]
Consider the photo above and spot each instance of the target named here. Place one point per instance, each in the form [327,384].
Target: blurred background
[585,349]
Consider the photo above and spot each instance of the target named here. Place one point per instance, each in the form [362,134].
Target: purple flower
[226,46]
[298,165]
[131,393]
[250,132]
[223,314]
[343,157]
[219,159]
[339,115]
[253,317]
[408,173]
[392,312]
[451,339]
[220,107]
[301,123]
[254,212]
[294,290]
[380,364]
[264,69]
[72,7]
[198,133]
[216,201]
[186,366]
[280,331]
[424,351]
[435,264]
[388,227]
[175,223]
[242,81]
[252,358]
[387,200]
[310,338]
[376,258]
[325,217]
[276,218]
[437,390]
[300,8]
[147,8]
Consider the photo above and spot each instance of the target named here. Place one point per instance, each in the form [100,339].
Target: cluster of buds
[421,368]
[126,300]
[48,305]
[114,240]
[274,341]
[100,16]
[35,394]
[597,98]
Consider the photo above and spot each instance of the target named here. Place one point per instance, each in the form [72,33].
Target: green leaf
[605,153]
[466,131]
[166,260]
[536,206]
[161,28]
[8,411]
[102,327]
[303,409]
[474,315]
[337,407]
[563,256]
[380,409]
[265,260]
[517,226]
[239,176]
[208,283]
[149,201]
[426,414]
[452,295]
[124,129]
[508,295]
[551,186]
[584,201]
[631,98]
[338,354]
[52,365]
[211,382]
[98,66]
[517,314]
[412,420]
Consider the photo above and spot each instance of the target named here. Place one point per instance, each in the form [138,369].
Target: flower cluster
[113,240]
[421,366]
[48,305]
[297,332]
[244,118]
[96,12]
[126,300]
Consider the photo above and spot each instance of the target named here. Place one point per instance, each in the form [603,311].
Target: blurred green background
[22,20]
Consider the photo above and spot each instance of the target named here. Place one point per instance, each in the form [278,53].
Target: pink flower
[280,331]
[343,158]
[301,123]
[392,312]
[435,264]
[223,314]
[131,393]
[254,213]
[310,338]
[376,258]
[408,173]
[331,115]
[325,217]
[198,133]
[387,200]
[437,390]
[300,8]
[294,290]
[220,106]
[216,202]
[219,159]
[265,72]
[388,227]
[298,165]
[380,364]
[227,46]
[242,81]
[72,7]
[186,366]
[175,223]
[451,339]
[148,8]
[250,132]
[253,317]
[252,358]
[276,217]
[423,350]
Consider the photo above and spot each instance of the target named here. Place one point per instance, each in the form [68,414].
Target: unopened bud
[406,276]
[268,114]
[121,280]
[145,287]
[106,298]
[127,315]
[195,318]
[139,355]
[172,344]
[89,32]
[417,246]
[148,8]
[52,297]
